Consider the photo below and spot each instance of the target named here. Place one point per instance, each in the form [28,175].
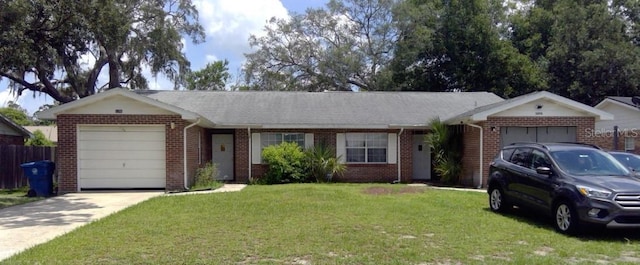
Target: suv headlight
[593,192]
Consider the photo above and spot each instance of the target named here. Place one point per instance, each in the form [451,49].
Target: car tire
[497,200]
[565,218]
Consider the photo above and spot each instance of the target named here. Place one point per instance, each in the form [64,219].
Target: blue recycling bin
[40,176]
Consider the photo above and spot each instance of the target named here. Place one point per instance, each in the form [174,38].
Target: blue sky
[228,25]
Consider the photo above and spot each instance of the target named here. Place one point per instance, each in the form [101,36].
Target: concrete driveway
[27,225]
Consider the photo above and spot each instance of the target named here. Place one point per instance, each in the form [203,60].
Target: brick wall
[67,146]
[11,140]
[585,127]
[195,143]
[354,173]
[604,139]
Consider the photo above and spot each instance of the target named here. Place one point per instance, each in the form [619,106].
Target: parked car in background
[630,160]
[576,184]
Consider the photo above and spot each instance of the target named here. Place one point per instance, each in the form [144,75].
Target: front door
[223,155]
[421,158]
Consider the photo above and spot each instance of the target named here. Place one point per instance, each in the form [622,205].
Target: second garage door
[121,157]
[542,134]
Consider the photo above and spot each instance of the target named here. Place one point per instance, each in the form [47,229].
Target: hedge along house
[157,139]
[121,139]
[536,117]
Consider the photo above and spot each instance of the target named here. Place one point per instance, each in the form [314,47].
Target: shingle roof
[323,109]
[625,100]
[481,113]
[17,128]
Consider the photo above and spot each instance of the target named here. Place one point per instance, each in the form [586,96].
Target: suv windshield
[583,162]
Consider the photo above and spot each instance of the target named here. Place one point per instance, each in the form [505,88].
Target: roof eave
[51,114]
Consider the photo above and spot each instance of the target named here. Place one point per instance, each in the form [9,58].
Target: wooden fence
[11,156]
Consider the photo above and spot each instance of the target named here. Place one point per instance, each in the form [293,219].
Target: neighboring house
[623,132]
[51,132]
[12,133]
[124,139]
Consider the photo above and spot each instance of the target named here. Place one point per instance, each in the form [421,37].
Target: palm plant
[323,164]
[446,150]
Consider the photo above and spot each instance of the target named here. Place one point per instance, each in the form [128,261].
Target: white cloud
[6,96]
[229,23]
[211,58]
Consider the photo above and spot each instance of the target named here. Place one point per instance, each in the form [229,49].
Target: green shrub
[323,164]
[286,164]
[206,177]
[38,139]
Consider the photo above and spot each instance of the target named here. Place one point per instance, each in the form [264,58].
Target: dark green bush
[286,163]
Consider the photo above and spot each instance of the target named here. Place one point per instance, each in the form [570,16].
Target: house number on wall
[222,148]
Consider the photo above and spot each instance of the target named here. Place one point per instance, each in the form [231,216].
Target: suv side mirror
[543,170]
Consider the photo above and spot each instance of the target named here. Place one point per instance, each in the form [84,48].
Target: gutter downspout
[481,151]
[250,155]
[184,151]
[399,156]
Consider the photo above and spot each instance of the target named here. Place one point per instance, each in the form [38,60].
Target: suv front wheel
[497,200]
[566,218]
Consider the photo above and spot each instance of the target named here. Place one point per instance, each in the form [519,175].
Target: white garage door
[121,157]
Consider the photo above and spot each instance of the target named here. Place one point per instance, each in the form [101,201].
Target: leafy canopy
[60,48]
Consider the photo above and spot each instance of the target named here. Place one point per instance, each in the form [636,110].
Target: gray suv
[576,184]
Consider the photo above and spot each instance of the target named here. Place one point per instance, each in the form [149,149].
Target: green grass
[328,224]
[14,197]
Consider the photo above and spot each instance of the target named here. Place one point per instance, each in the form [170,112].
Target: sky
[228,25]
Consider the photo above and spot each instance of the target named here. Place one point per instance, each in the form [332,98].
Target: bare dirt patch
[392,190]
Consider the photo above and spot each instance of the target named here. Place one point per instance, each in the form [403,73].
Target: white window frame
[365,138]
[276,138]
[629,144]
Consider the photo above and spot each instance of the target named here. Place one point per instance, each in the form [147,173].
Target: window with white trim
[366,147]
[268,139]
[629,144]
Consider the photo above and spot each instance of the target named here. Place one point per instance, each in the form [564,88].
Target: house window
[366,147]
[268,139]
[629,144]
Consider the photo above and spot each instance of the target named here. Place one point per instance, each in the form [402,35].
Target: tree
[61,47]
[341,47]
[38,139]
[16,114]
[456,45]
[588,48]
[214,76]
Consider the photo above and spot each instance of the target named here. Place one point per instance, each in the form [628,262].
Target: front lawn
[15,197]
[328,224]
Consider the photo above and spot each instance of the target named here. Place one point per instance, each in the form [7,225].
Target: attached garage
[121,157]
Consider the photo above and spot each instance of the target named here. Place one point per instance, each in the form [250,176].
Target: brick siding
[605,140]
[354,173]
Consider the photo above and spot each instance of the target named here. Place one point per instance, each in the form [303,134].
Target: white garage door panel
[120,184]
[116,174]
[108,164]
[121,157]
[129,136]
[124,145]
[124,154]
